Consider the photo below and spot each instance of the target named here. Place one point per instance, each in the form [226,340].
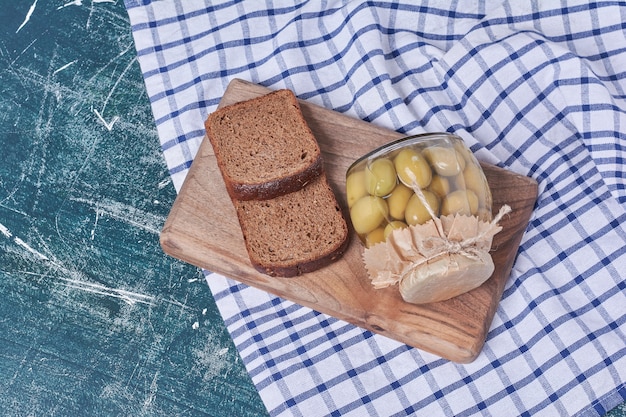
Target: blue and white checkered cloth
[536,87]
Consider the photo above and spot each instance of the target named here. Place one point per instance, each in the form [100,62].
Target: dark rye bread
[263,146]
[294,233]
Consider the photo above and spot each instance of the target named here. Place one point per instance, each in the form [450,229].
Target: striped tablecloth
[536,87]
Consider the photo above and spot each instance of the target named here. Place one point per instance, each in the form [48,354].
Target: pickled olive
[412,168]
[473,201]
[416,213]
[464,152]
[375,236]
[444,160]
[457,182]
[384,186]
[463,202]
[368,213]
[440,186]
[461,159]
[380,177]
[396,224]
[475,179]
[397,201]
[484,214]
[355,187]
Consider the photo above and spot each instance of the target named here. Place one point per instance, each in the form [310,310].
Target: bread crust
[303,267]
[275,188]
[254,188]
[288,214]
[317,211]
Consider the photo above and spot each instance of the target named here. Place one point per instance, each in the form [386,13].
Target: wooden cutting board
[202,229]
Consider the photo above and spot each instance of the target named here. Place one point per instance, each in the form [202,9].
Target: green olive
[368,213]
[475,179]
[440,186]
[380,177]
[416,213]
[445,160]
[398,199]
[463,202]
[484,214]
[461,160]
[464,152]
[355,187]
[394,225]
[457,182]
[412,168]
[375,236]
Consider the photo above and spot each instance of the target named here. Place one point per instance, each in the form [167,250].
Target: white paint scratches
[80,3]
[209,361]
[164,183]
[19,242]
[117,82]
[75,279]
[121,54]
[24,245]
[14,210]
[152,393]
[127,296]
[125,213]
[108,125]
[24,50]
[195,325]
[6,232]
[204,311]
[28,15]
[71,3]
[95,225]
[64,67]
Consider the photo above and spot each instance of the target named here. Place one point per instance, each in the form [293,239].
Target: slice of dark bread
[264,147]
[294,233]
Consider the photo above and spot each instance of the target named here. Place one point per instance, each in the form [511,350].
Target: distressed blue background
[94,318]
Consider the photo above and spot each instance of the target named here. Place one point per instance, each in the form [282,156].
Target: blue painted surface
[94,318]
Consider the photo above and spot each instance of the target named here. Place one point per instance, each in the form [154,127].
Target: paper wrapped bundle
[435,261]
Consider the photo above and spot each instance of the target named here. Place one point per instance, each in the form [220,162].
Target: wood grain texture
[202,229]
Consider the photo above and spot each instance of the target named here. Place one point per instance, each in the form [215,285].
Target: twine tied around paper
[466,246]
[406,250]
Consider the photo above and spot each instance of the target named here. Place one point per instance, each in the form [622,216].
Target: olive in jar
[386,188]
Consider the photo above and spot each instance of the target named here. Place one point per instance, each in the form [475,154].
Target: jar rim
[397,143]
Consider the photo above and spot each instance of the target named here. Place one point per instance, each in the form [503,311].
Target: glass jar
[410,180]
